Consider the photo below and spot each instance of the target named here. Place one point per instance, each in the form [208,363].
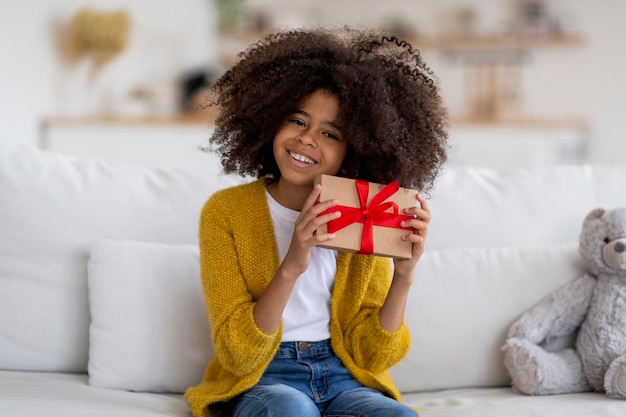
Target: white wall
[167,37]
[172,35]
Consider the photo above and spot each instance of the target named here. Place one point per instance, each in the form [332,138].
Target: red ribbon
[376,213]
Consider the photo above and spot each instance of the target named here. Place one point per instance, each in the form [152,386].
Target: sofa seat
[69,395]
[500,402]
[54,394]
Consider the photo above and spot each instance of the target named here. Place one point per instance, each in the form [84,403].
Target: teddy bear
[591,307]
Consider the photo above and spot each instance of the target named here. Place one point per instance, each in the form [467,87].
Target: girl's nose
[306,139]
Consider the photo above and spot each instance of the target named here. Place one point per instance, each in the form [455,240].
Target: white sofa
[101,312]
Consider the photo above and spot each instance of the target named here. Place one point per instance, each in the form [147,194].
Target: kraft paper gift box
[370,216]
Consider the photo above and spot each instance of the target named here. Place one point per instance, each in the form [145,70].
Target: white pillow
[149,327]
[461,306]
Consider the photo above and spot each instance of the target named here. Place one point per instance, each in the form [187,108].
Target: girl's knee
[276,400]
[407,411]
[288,398]
[367,402]
[394,409]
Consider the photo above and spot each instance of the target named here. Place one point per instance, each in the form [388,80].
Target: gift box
[370,218]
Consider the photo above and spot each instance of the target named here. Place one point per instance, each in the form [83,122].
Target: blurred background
[526,82]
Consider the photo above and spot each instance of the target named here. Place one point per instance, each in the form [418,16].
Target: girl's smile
[301,158]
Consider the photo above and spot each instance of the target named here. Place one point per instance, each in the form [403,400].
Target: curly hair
[390,109]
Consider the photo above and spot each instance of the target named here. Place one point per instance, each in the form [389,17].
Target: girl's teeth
[302,158]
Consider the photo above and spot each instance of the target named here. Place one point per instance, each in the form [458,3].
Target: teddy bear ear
[595,214]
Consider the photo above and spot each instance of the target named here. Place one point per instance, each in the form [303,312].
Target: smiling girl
[300,330]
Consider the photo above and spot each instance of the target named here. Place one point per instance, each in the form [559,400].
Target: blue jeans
[306,379]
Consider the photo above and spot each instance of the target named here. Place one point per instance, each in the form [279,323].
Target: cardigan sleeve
[239,344]
[370,346]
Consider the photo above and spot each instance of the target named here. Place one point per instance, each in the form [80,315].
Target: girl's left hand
[403,268]
[391,313]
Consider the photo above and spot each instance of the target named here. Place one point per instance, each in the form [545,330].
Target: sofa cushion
[52,207]
[33,394]
[503,402]
[480,207]
[149,327]
[462,304]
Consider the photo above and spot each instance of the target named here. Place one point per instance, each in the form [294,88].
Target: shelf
[132,120]
[568,123]
[460,43]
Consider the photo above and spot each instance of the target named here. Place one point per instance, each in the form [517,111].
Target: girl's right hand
[305,237]
[269,308]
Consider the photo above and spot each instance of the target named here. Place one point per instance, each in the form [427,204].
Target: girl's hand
[403,268]
[392,312]
[304,237]
[269,308]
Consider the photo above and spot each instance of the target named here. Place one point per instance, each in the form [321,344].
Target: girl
[300,330]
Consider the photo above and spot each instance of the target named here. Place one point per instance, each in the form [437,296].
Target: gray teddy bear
[594,305]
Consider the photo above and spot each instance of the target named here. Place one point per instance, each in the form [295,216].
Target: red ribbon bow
[373,214]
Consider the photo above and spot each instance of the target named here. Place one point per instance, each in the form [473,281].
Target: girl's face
[309,142]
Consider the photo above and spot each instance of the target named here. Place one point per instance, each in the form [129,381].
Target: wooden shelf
[121,119]
[578,124]
[459,43]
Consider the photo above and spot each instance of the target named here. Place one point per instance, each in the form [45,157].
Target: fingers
[423,203]
[310,209]
[420,222]
[310,219]
[423,211]
[420,213]
[310,200]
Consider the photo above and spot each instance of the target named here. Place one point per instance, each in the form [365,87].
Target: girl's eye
[297,122]
[331,135]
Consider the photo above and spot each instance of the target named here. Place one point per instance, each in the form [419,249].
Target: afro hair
[390,112]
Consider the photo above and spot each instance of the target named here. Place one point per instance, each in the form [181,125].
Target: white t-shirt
[307,314]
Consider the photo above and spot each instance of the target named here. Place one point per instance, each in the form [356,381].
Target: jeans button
[304,345]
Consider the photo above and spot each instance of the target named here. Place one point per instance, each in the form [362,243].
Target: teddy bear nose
[619,247]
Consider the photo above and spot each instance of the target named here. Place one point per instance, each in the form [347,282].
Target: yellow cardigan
[238,258]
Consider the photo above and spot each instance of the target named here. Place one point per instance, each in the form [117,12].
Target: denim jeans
[306,379]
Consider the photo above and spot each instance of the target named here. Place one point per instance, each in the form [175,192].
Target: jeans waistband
[303,349]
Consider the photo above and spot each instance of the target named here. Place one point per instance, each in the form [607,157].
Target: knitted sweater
[238,258]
